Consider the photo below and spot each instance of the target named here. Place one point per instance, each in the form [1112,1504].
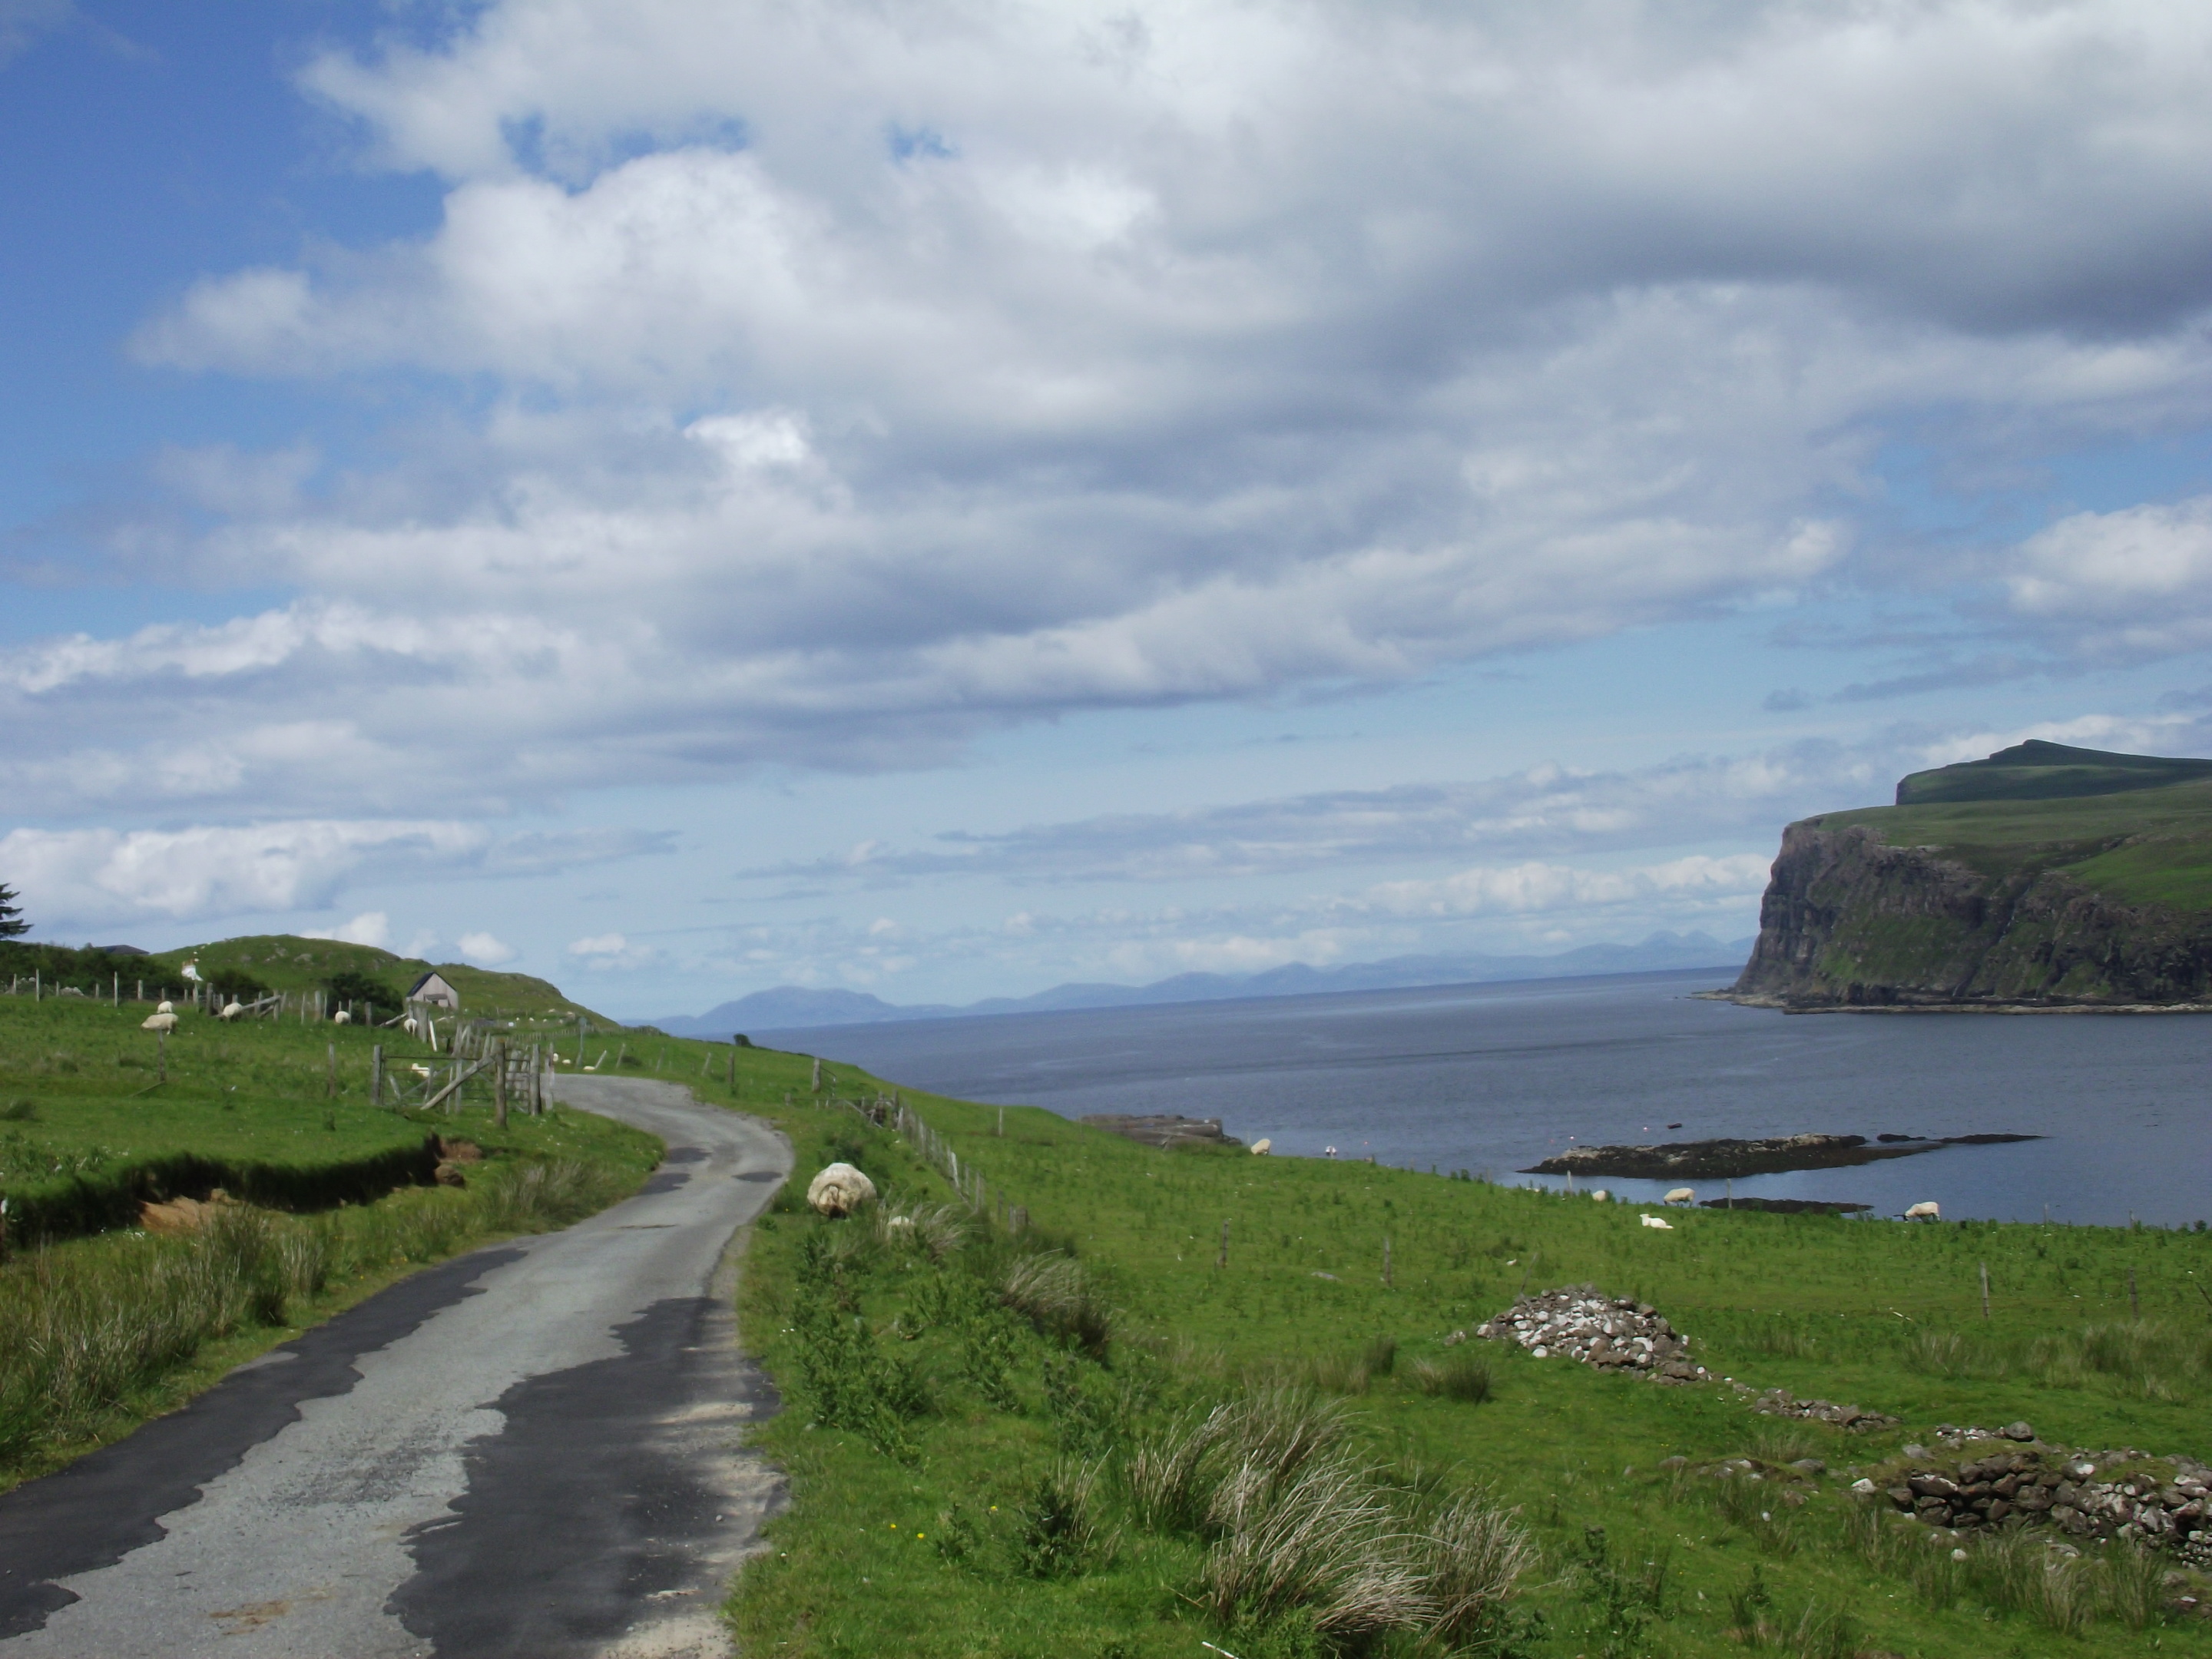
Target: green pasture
[2142,847]
[942,1498]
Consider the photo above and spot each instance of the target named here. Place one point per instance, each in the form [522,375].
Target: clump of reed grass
[938,1231]
[1060,1532]
[1462,1374]
[1051,1291]
[1472,1556]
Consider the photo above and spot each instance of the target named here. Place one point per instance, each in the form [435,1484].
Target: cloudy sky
[684,496]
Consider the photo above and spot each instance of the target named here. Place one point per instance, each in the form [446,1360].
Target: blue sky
[685,497]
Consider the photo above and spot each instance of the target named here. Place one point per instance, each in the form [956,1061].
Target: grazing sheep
[166,1007]
[840,1189]
[161,1021]
[1682,1195]
[1263,1146]
[1929,1210]
[1664,1225]
[231,1010]
[342,1018]
[412,1026]
[1600,1194]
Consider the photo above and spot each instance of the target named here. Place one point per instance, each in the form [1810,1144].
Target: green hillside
[2142,846]
[2036,770]
[285,962]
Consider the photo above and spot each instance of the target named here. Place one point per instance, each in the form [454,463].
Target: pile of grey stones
[1612,1333]
[2161,1502]
[1780,1402]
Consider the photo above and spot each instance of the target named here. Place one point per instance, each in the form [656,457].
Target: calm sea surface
[1489,1077]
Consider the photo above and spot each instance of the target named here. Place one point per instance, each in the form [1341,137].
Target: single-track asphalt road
[532,1451]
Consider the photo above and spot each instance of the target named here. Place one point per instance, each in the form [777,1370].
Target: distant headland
[2044,879]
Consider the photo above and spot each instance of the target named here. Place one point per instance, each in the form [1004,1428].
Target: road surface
[530,1450]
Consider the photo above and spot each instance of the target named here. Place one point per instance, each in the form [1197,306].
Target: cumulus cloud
[370,928]
[486,950]
[604,952]
[212,871]
[859,383]
[1554,887]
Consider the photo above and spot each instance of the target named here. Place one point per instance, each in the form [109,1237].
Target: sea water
[1491,1078]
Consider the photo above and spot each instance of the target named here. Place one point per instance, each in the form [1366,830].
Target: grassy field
[98,1333]
[982,1433]
[2146,846]
[960,1443]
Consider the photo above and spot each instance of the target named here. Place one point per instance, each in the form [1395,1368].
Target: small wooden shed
[433,989]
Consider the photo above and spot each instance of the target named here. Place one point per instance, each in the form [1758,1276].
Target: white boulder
[840,1190]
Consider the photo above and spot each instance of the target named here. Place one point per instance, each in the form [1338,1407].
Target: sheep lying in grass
[1660,1222]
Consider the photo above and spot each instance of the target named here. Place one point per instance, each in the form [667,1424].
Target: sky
[686,496]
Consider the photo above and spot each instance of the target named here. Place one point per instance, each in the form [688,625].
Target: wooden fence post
[499,1083]
[376,1074]
[161,1046]
[1386,1262]
[1985,1291]
[331,1073]
[1222,1260]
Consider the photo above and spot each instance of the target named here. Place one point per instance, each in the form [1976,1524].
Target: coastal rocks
[2123,1495]
[1779,1402]
[1164,1130]
[1718,1160]
[1611,1333]
[840,1189]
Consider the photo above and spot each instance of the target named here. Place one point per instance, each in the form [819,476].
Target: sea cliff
[1851,921]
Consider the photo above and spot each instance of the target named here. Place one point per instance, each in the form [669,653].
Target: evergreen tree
[12,924]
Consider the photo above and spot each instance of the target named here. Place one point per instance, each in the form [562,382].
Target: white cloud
[1207,355]
[486,951]
[210,871]
[1552,889]
[370,928]
[607,952]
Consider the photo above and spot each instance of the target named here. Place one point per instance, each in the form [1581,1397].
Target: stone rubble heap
[2110,1495]
[1610,1332]
[1779,1402]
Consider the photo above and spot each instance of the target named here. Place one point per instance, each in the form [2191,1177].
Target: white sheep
[1927,1211]
[342,1018]
[1682,1195]
[1662,1224]
[166,1007]
[411,1026]
[1263,1146]
[231,1010]
[1600,1194]
[160,1021]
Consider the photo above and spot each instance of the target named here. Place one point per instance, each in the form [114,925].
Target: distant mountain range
[792,1007]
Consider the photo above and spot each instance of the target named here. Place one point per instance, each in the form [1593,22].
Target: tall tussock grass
[1052,1290]
[1297,1521]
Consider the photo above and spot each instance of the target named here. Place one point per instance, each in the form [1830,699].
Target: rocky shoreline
[1716,1160]
[1164,1130]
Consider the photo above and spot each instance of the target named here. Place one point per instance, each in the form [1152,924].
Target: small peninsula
[2044,879]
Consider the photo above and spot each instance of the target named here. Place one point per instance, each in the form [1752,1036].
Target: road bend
[533,1449]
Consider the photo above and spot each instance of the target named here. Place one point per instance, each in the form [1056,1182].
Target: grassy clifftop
[2036,876]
